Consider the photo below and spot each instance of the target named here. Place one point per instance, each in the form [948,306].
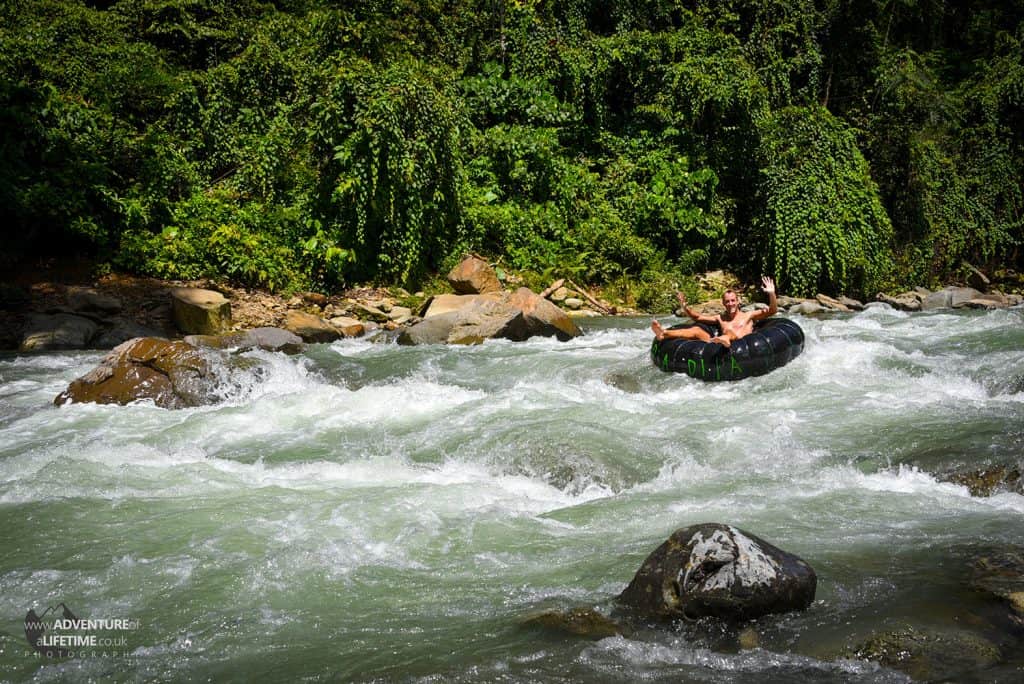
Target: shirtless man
[734,323]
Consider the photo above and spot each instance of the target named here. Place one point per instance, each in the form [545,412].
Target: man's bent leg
[694,333]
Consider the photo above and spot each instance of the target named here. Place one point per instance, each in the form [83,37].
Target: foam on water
[390,492]
[612,653]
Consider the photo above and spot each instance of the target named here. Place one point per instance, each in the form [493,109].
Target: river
[367,511]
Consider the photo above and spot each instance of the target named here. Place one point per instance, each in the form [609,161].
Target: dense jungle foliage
[841,145]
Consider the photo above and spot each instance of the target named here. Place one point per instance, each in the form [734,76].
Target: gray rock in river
[471,319]
[718,570]
[270,339]
[58,331]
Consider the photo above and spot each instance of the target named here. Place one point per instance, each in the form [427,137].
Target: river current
[367,511]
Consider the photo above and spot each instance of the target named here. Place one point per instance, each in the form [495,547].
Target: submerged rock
[927,655]
[585,622]
[988,481]
[621,380]
[718,570]
[1001,574]
[172,374]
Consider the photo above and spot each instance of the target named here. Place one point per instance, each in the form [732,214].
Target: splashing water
[367,511]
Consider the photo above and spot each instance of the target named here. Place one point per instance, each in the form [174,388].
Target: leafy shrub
[391,190]
[823,227]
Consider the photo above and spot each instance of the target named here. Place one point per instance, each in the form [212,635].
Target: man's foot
[659,332]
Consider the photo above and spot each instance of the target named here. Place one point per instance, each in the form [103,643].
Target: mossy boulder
[200,312]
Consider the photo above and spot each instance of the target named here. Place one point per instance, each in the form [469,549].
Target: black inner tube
[774,343]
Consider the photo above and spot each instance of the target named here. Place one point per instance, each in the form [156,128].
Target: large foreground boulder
[172,374]
[200,312]
[718,570]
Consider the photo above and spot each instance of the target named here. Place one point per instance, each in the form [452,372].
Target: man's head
[731,302]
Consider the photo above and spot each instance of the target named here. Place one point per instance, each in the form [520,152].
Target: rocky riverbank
[66,309]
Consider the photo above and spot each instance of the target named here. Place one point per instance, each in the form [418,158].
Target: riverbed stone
[989,480]
[370,312]
[926,655]
[851,303]
[400,314]
[430,330]
[583,622]
[473,275]
[807,307]
[309,327]
[1001,575]
[713,569]
[943,299]
[483,319]
[988,300]
[121,329]
[266,338]
[905,301]
[44,332]
[831,303]
[470,319]
[348,326]
[543,318]
[959,296]
[87,299]
[173,374]
[200,312]
[446,303]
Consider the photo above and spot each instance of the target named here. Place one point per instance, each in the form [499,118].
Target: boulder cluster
[173,374]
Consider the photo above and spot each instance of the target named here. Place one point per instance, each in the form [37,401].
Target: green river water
[371,512]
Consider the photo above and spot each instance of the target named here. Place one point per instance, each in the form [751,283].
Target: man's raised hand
[767,284]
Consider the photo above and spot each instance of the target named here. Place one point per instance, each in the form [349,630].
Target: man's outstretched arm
[768,285]
[693,313]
